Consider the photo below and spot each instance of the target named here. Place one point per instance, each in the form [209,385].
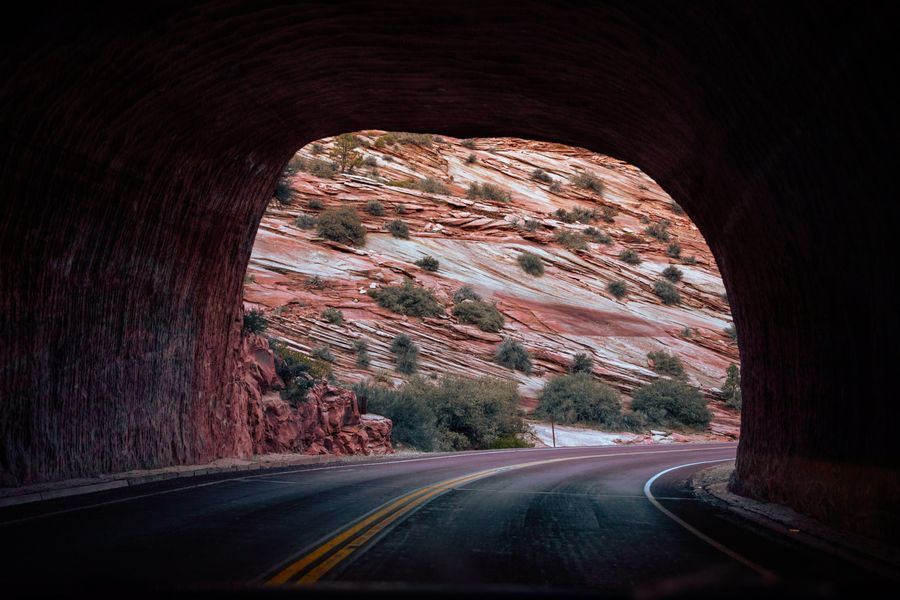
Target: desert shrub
[579,398]
[731,389]
[582,363]
[407,299]
[322,353]
[645,219]
[472,159]
[375,208]
[317,283]
[361,347]
[578,214]
[617,288]
[406,352]
[689,260]
[428,263]
[666,292]
[686,332]
[317,148]
[672,273]
[322,169]
[588,181]
[315,204]
[510,441]
[555,187]
[541,175]
[342,225]
[299,373]
[487,191]
[531,263]
[597,236]
[482,314]
[413,417]
[659,231]
[629,257]
[671,403]
[255,321]
[400,209]
[470,144]
[513,355]
[305,221]
[398,229]
[572,240]
[674,250]
[676,208]
[608,213]
[466,292]
[409,184]
[283,192]
[666,364]
[416,139]
[531,224]
[731,332]
[370,161]
[333,316]
[432,186]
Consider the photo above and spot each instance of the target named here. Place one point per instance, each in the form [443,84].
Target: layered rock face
[140,144]
[328,422]
[295,274]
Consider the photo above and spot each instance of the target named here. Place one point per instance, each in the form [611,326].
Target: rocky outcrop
[328,422]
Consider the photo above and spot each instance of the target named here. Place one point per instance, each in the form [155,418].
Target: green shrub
[466,292]
[255,321]
[428,263]
[597,236]
[361,347]
[482,314]
[676,208]
[731,389]
[488,191]
[315,204]
[531,263]
[344,152]
[407,184]
[666,364]
[578,214]
[541,175]
[298,372]
[406,352]
[555,187]
[412,416]
[398,229]
[689,260]
[608,213]
[431,185]
[674,250]
[283,192]
[408,299]
[416,139]
[531,224]
[342,225]
[322,353]
[375,208]
[510,441]
[317,283]
[370,161]
[472,159]
[629,257]
[306,221]
[588,181]
[659,231]
[671,403]
[672,273]
[333,316]
[617,288]
[513,355]
[582,363]
[572,240]
[317,167]
[666,292]
[579,398]
[470,144]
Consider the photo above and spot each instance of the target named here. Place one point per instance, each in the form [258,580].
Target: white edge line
[768,575]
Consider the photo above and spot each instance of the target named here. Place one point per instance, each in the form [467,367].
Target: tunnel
[140,146]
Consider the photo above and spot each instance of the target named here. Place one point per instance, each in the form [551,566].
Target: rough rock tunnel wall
[139,151]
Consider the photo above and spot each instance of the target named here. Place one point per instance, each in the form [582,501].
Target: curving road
[612,519]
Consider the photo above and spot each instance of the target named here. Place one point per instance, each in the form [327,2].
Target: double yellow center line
[316,563]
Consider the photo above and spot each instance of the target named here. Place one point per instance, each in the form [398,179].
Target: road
[554,520]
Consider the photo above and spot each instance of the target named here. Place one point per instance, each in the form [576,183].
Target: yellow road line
[362,532]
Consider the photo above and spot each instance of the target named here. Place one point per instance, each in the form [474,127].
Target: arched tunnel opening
[140,148]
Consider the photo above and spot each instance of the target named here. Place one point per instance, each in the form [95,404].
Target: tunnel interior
[139,150]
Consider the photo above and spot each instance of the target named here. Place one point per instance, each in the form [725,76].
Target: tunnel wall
[139,151]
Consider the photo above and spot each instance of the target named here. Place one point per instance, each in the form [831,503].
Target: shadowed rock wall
[138,153]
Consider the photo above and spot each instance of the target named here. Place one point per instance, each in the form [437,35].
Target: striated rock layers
[328,422]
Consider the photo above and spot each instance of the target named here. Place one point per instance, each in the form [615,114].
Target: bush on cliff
[579,398]
[342,225]
[666,292]
[513,355]
[363,359]
[466,292]
[255,321]
[482,314]
[629,257]
[582,363]
[588,181]
[488,191]
[375,208]
[406,353]
[299,373]
[408,299]
[672,273]
[666,364]
[398,229]
[531,263]
[671,403]
[617,288]
[428,263]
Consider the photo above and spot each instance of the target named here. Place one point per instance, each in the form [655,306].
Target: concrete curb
[711,486]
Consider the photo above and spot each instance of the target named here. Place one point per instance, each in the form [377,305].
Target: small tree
[428,263]
[629,257]
[255,321]
[431,185]
[344,152]
[666,364]
[617,288]
[666,292]
[579,398]
[531,264]
[407,353]
[731,389]
[342,225]
[488,191]
[398,229]
[582,363]
[513,355]
[672,273]
[333,316]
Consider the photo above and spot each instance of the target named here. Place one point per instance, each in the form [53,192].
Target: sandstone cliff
[294,274]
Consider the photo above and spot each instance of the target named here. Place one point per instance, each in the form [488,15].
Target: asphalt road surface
[511,522]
